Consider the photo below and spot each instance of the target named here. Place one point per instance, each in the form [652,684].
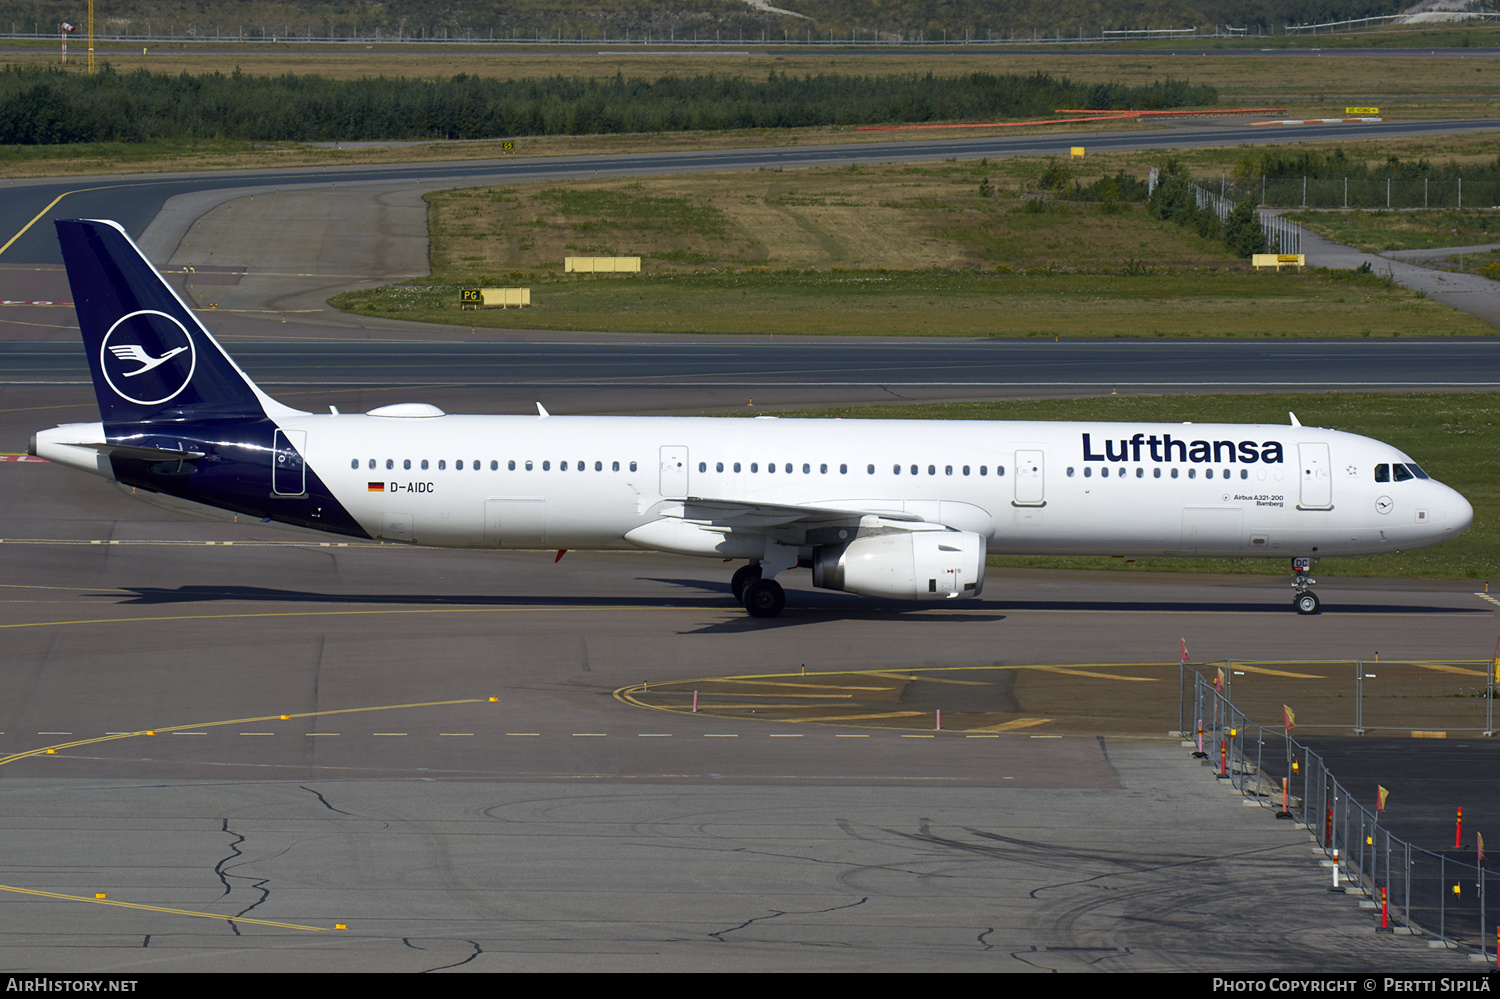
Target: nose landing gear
[1304,600]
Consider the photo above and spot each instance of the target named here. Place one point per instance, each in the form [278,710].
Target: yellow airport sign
[1361,110]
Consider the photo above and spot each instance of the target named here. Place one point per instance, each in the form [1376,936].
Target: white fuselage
[1044,488]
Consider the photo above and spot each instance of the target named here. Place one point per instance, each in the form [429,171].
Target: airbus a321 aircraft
[898,509]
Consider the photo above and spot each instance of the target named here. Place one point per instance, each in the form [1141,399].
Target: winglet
[541,411]
[1295,422]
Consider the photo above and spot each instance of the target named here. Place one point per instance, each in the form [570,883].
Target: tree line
[52,106]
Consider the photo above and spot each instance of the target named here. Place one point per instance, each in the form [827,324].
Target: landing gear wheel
[743,577]
[764,598]
[1306,603]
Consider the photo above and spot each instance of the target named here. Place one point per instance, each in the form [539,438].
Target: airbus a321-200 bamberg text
[897,509]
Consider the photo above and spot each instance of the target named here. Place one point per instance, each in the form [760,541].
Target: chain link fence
[1422,891]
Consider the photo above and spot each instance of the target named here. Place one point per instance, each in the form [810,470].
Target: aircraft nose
[1460,513]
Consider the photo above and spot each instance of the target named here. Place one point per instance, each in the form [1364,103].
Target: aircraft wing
[742,515]
[743,529]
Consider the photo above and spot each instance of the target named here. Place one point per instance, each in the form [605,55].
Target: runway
[243,737]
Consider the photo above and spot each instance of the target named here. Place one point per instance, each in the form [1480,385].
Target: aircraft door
[1029,478]
[1317,477]
[288,470]
[674,471]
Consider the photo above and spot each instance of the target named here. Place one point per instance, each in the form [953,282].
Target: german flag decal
[376,487]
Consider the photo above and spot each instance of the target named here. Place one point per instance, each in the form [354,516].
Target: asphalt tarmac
[221,741]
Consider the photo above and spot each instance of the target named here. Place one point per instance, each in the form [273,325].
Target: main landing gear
[761,597]
[1304,599]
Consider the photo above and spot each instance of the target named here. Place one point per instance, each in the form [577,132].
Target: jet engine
[904,565]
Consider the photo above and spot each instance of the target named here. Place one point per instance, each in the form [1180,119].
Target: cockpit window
[1417,470]
[1402,472]
[1382,473]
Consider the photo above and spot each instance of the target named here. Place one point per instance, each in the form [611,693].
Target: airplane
[896,509]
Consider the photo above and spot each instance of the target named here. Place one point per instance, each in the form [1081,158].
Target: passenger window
[458,465]
[984,470]
[442,464]
[870,469]
[1192,473]
[1156,473]
[354,463]
[389,463]
[719,466]
[1174,473]
[528,464]
[771,468]
[947,469]
[914,469]
[562,466]
[632,466]
[495,466]
[1244,473]
[823,469]
[1088,472]
[1070,472]
[931,469]
[1104,472]
[372,462]
[406,463]
[895,469]
[702,466]
[843,469]
[736,466]
[614,466]
[424,464]
[966,469]
[755,466]
[1140,473]
[999,469]
[599,466]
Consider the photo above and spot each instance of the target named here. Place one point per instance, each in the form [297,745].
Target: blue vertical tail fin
[149,355]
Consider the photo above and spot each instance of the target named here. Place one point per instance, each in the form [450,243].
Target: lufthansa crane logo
[147,358]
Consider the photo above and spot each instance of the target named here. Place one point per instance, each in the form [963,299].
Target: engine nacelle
[904,565]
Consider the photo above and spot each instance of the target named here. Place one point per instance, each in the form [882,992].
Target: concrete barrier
[602,265]
[1278,260]
[474,298]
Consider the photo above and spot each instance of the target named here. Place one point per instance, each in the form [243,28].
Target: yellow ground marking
[1277,672]
[1444,668]
[161,908]
[1072,671]
[869,717]
[802,686]
[760,698]
[43,750]
[55,200]
[1014,725]
[1486,596]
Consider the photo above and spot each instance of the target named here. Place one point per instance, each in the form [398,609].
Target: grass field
[899,249]
[1450,435]
[1377,231]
